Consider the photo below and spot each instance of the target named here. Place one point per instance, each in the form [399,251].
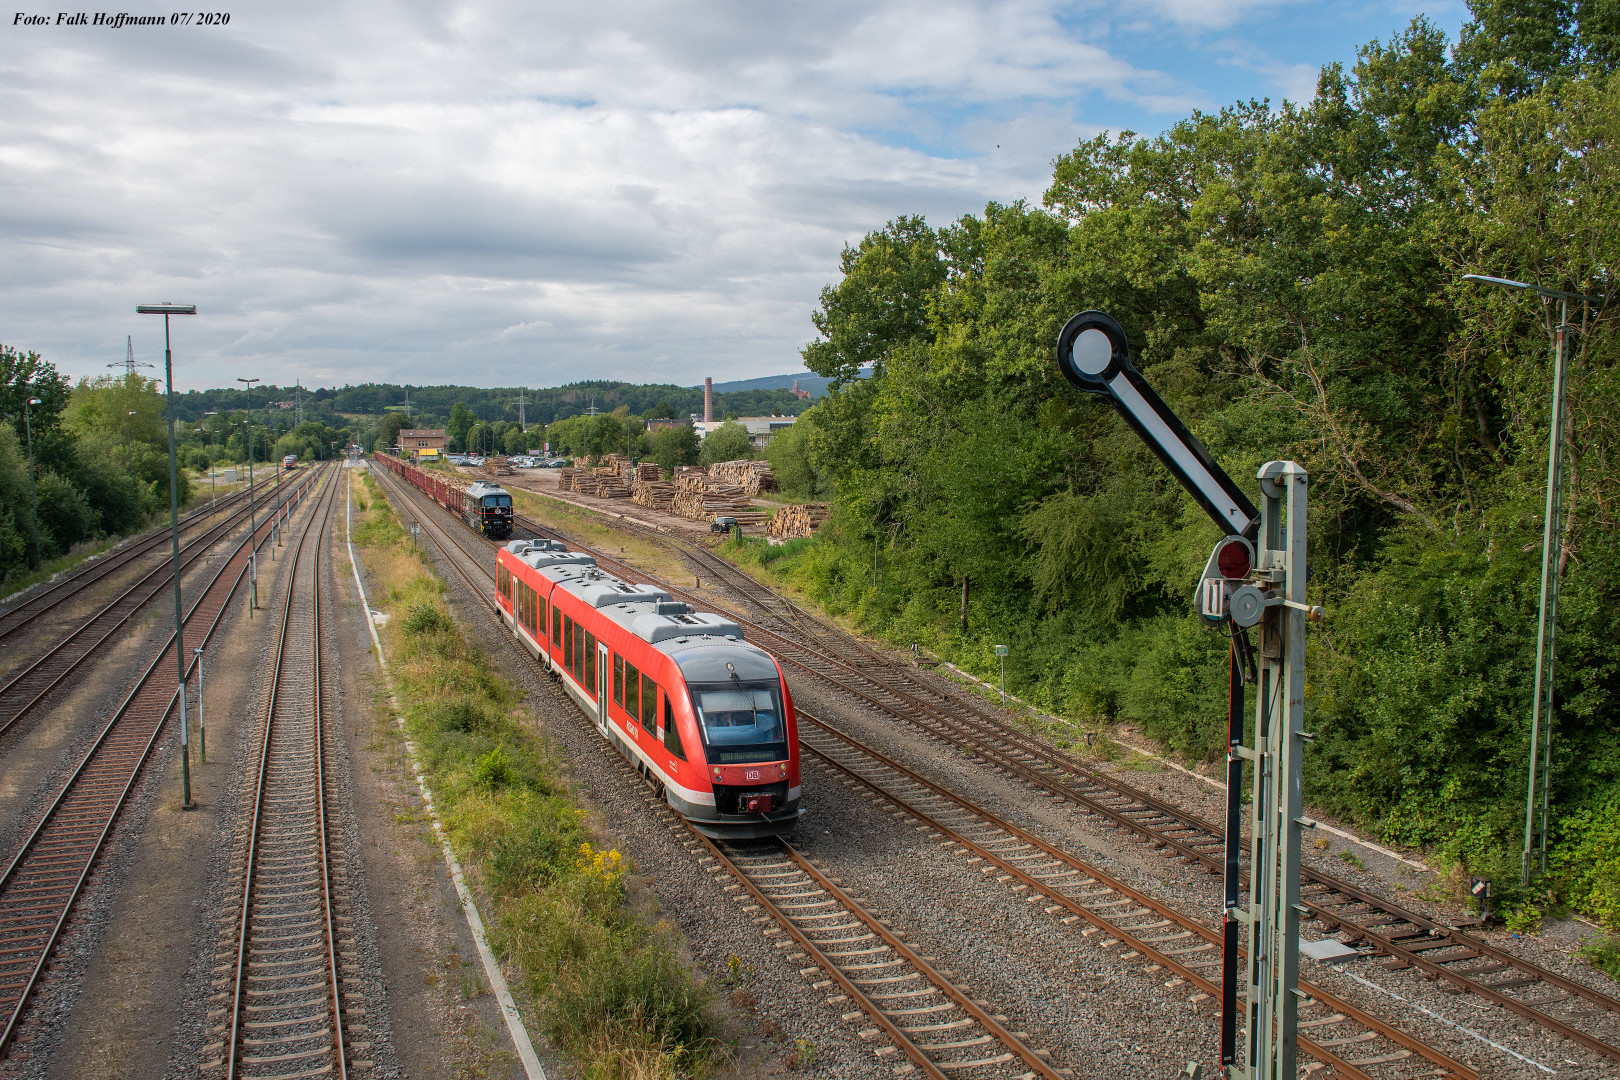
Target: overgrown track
[286,1013]
[1347,1039]
[30,686]
[44,879]
[23,612]
[1373,923]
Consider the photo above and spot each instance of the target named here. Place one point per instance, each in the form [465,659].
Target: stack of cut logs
[801,519]
[701,497]
[655,494]
[754,476]
[648,471]
[497,466]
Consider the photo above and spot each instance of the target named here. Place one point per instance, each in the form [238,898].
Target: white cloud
[498,192]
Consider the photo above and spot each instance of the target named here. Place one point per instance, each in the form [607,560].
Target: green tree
[728,442]
[388,433]
[672,446]
[461,421]
[789,455]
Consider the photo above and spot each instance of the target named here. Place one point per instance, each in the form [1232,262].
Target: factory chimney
[708,400]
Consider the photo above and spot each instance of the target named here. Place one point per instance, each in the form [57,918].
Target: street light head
[1502,282]
[35,401]
[166,309]
[1509,283]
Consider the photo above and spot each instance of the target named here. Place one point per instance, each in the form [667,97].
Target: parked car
[722,524]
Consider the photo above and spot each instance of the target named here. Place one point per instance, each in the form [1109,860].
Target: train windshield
[741,721]
[497,500]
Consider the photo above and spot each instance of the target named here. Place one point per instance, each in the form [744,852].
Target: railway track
[927,1017]
[27,688]
[44,879]
[1374,924]
[1355,1044]
[286,1015]
[25,611]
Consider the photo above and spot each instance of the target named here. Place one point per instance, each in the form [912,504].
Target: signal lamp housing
[1233,558]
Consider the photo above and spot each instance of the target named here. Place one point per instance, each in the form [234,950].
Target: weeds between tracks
[607,986]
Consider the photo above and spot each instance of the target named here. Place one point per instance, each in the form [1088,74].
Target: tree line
[100,453]
[1291,279]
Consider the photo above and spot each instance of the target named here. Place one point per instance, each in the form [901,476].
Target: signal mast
[1255,578]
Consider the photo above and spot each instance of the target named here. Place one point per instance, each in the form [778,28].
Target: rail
[45,878]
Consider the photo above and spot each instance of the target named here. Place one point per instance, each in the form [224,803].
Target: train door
[604,665]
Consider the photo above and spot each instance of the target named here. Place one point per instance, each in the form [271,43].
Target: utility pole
[253,551]
[128,363]
[522,400]
[167,310]
[33,490]
[1538,785]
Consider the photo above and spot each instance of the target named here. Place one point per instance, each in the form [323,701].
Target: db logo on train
[751,774]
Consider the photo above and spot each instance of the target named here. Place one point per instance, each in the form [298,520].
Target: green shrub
[425,618]
[1603,953]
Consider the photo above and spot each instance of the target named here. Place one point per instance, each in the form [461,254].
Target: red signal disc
[1233,560]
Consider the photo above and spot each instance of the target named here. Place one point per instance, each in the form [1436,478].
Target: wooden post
[964,602]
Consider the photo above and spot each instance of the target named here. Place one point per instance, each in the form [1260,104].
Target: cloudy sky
[504,193]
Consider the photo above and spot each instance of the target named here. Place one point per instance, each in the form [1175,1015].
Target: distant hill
[815,384]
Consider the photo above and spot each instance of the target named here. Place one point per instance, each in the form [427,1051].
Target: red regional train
[698,710]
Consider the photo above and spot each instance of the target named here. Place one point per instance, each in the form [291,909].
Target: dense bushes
[1290,280]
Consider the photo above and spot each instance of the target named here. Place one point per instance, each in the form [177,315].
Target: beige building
[412,441]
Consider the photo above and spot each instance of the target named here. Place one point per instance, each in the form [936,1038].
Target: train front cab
[738,705]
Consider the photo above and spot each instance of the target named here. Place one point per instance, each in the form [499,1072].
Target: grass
[1603,953]
[607,985]
[590,527]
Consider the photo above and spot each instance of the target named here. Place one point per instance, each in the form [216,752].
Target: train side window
[568,643]
[540,608]
[589,681]
[618,680]
[649,703]
[556,626]
[632,690]
[672,734]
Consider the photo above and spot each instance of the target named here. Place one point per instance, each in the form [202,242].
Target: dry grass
[598,531]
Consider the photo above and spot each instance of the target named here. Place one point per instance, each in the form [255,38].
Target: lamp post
[202,727]
[212,500]
[129,455]
[33,491]
[167,310]
[1541,709]
[253,524]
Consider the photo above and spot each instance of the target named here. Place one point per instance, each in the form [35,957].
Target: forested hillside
[1290,278]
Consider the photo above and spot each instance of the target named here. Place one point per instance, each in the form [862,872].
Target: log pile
[648,471]
[610,484]
[656,495]
[754,476]
[800,519]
